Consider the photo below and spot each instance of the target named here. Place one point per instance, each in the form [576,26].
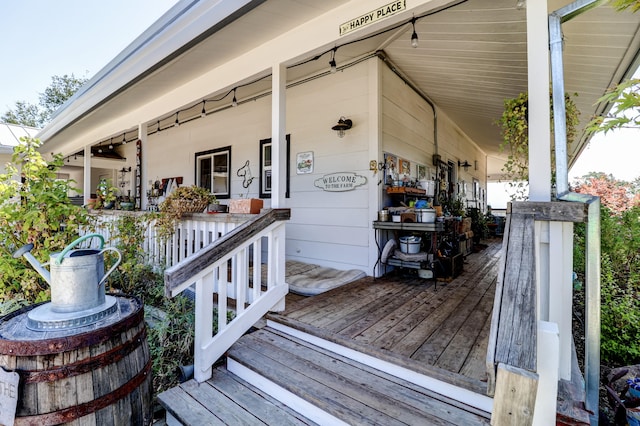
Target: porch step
[332,389]
[225,399]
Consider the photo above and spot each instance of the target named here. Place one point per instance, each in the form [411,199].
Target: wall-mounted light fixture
[464,165]
[343,124]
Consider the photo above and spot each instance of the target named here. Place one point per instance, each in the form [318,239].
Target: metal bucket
[77,279]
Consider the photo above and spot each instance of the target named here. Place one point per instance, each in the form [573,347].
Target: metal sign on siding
[373,16]
[341,181]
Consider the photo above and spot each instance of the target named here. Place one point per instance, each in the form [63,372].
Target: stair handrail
[176,278]
[231,268]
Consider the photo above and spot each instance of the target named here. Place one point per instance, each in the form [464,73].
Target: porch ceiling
[471,56]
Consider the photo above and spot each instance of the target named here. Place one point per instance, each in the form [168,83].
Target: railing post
[203,324]
[548,348]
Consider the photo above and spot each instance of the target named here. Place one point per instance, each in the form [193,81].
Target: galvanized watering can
[77,276]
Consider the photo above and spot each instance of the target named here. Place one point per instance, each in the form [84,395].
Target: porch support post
[86,183]
[144,137]
[539,116]
[278,138]
[539,142]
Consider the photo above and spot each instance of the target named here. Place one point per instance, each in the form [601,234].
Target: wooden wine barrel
[98,374]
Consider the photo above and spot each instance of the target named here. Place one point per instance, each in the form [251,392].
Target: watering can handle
[78,241]
[112,267]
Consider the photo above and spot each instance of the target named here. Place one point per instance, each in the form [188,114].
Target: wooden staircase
[274,378]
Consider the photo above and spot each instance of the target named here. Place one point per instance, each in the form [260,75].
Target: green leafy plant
[107,193]
[625,112]
[515,138]
[620,283]
[34,208]
[182,200]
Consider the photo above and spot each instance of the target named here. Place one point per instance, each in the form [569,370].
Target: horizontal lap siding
[330,228]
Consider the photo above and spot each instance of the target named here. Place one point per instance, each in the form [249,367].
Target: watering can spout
[26,252]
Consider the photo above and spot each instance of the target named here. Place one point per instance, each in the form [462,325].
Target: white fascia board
[183,23]
[309,38]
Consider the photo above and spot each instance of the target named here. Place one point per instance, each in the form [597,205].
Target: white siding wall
[326,228]
[407,132]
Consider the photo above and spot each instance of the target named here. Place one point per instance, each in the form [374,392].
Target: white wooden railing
[193,233]
[232,268]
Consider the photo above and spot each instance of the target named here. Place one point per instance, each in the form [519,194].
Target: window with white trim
[213,171]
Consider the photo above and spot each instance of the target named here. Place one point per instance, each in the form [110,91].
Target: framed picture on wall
[304,162]
[404,167]
[421,172]
[390,167]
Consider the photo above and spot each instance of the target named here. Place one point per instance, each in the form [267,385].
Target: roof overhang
[471,56]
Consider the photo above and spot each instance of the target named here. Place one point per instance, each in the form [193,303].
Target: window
[212,171]
[265,167]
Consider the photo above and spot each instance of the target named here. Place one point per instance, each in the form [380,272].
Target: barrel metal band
[69,414]
[84,366]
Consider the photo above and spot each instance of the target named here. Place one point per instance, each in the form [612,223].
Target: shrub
[620,284]
[35,209]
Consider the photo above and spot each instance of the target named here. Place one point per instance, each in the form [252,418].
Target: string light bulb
[99,149]
[111,144]
[158,129]
[234,102]
[177,123]
[124,139]
[332,62]
[414,36]
[204,112]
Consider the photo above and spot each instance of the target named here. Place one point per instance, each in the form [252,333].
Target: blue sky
[44,38]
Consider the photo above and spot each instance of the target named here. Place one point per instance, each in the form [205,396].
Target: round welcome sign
[341,181]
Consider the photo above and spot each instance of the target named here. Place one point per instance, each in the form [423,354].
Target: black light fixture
[464,165]
[414,36]
[234,102]
[332,62]
[343,124]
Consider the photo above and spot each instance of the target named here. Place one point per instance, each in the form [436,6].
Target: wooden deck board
[455,354]
[336,381]
[475,366]
[408,318]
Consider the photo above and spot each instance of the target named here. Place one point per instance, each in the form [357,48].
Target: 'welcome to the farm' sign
[341,181]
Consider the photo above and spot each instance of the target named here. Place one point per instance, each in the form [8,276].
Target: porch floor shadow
[401,318]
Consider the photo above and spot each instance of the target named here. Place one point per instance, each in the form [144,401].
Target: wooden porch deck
[404,319]
[273,377]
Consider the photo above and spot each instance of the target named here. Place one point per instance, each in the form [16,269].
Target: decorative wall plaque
[339,182]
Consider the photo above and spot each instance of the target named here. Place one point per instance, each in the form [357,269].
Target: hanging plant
[185,199]
[515,138]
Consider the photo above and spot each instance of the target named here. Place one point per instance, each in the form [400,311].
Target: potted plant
[184,199]
[126,203]
[106,194]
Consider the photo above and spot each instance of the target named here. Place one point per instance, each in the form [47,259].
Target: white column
[539,116]
[548,358]
[86,184]
[375,154]
[278,136]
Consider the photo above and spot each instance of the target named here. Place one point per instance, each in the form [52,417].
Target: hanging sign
[373,16]
[341,181]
